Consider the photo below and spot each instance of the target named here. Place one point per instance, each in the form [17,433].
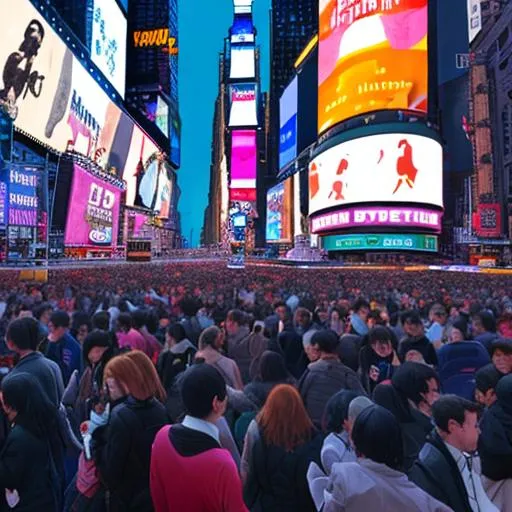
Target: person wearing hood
[375,480]
[359,318]
[484,329]
[486,380]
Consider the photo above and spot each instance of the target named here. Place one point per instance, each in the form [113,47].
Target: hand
[52,338]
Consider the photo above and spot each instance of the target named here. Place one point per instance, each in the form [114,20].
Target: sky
[203,25]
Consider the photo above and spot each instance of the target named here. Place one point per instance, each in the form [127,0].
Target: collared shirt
[472,482]
[202,426]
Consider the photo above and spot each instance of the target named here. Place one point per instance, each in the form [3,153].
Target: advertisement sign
[279,212]
[243,63]
[3,204]
[488,221]
[288,124]
[156,38]
[242,30]
[5,137]
[108,46]
[23,196]
[394,168]
[382,216]
[474,19]
[243,159]
[372,56]
[298,228]
[392,242]
[243,6]
[93,215]
[243,105]
[242,194]
[137,226]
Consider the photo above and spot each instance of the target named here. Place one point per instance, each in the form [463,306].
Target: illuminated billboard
[474,19]
[243,63]
[242,30]
[297,214]
[242,6]
[377,242]
[487,221]
[243,105]
[288,124]
[108,46]
[279,212]
[395,167]
[372,56]
[243,159]
[378,216]
[93,214]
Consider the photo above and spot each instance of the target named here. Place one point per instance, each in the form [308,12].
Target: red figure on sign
[337,186]
[405,167]
[314,181]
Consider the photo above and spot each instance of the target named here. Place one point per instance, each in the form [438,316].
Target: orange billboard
[373,55]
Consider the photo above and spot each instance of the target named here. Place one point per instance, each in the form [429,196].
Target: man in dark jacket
[325,377]
[444,468]
[415,339]
[484,329]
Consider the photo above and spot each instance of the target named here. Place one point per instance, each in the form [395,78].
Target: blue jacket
[67,353]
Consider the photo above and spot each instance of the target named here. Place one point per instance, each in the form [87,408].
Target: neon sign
[158,37]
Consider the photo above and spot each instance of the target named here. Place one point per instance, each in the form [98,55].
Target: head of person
[43,313]
[272,367]
[124,322]
[282,311]
[379,339]
[203,391]
[456,421]
[189,306]
[504,394]
[101,320]
[458,332]
[302,319]
[284,402]
[336,411]
[59,324]
[337,315]
[23,335]
[375,318]
[438,314]
[149,374]
[310,349]
[234,321]
[355,408]
[377,436]
[321,315]
[174,334]
[419,384]
[502,356]
[482,322]
[96,344]
[80,326]
[486,379]
[362,309]
[412,324]
[325,342]
[139,319]
[211,337]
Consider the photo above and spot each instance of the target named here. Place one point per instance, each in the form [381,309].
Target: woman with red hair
[280,444]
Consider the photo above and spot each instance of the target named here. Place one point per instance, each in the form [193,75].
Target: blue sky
[203,27]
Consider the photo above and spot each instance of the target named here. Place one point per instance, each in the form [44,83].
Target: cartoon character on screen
[405,166]
[337,186]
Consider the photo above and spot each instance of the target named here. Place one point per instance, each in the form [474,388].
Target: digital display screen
[243,159]
[243,64]
[373,55]
[288,124]
[391,242]
[394,167]
[279,212]
[474,18]
[243,105]
[242,30]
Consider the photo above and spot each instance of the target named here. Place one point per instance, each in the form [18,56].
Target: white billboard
[242,62]
[242,6]
[474,19]
[394,168]
[243,105]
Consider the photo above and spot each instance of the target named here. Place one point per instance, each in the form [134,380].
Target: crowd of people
[193,387]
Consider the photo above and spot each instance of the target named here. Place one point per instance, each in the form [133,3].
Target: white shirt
[202,426]
[472,482]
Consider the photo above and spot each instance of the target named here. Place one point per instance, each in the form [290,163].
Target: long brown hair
[284,420]
[149,373]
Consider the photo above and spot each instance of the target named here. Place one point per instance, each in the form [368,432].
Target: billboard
[93,215]
[488,220]
[378,216]
[243,159]
[242,30]
[374,242]
[288,124]
[474,19]
[137,225]
[396,167]
[243,6]
[108,45]
[279,212]
[243,63]
[372,56]
[243,105]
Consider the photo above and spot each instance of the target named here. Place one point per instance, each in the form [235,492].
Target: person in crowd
[279,453]
[128,338]
[184,451]
[140,320]
[61,347]
[437,332]
[484,329]
[486,380]
[80,326]
[32,458]
[377,359]
[323,378]
[505,324]
[211,342]
[415,339]
[336,321]
[445,468]
[359,318]
[348,350]
[502,356]
[375,480]
[122,448]
[42,314]
[149,373]
[189,307]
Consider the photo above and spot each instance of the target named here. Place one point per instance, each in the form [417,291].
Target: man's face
[502,361]
[231,327]
[432,395]
[363,313]
[312,352]
[486,398]
[413,329]
[466,434]
[477,328]
[281,313]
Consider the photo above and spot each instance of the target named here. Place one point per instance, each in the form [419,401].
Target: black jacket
[277,481]
[436,472]
[122,451]
[422,345]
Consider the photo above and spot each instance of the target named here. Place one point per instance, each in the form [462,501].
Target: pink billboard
[93,213]
[243,159]
[378,216]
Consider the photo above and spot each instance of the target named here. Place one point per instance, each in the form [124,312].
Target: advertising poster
[93,215]
[5,137]
[288,124]
[488,219]
[381,168]
[279,212]
[243,105]
[372,56]
[108,46]
[243,63]
[243,159]
[23,196]
[474,18]
[242,30]
[137,225]
[426,243]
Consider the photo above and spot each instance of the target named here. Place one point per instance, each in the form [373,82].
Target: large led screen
[93,215]
[243,159]
[391,242]
[279,212]
[474,18]
[242,30]
[372,56]
[288,124]
[243,105]
[242,62]
[381,168]
[297,214]
[108,46]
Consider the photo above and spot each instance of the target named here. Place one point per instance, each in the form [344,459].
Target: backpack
[241,427]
